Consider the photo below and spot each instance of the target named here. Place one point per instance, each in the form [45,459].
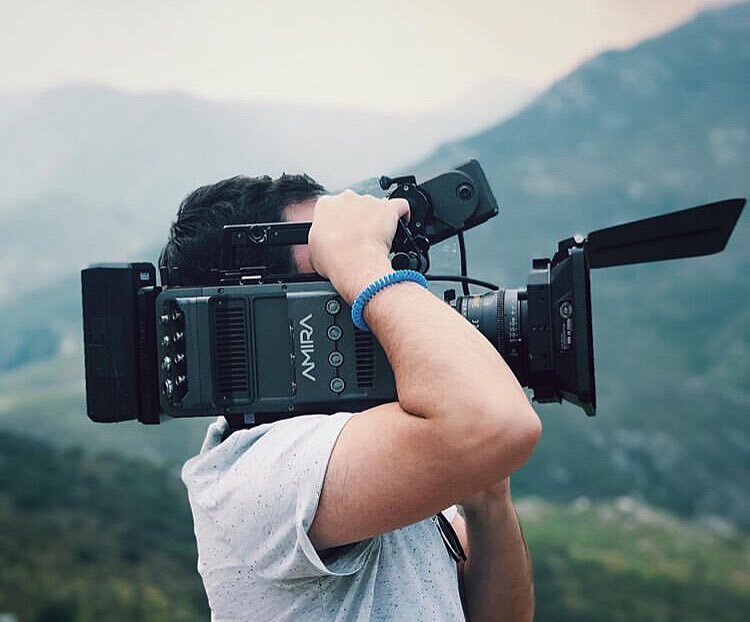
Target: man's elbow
[517,432]
[528,428]
[531,426]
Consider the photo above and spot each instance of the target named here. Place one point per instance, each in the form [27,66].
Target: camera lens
[501,317]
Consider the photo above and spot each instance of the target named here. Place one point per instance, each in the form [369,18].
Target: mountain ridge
[111,167]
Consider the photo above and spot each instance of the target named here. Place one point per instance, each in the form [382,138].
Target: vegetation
[90,538]
[625,561]
[46,401]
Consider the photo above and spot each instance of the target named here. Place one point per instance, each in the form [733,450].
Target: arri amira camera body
[258,347]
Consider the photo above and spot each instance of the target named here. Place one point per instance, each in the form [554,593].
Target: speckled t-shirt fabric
[253,499]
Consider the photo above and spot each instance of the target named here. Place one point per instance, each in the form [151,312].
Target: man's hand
[353,230]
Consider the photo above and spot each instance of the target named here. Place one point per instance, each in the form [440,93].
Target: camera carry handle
[441,207]
[408,251]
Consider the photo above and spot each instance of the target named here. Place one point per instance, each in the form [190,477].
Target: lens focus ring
[500,322]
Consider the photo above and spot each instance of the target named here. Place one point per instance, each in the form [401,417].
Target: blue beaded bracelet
[373,288]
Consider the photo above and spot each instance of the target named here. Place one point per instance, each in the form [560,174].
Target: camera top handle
[441,207]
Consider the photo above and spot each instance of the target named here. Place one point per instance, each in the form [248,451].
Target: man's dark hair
[195,236]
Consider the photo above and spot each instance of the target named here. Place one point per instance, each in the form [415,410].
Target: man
[329,517]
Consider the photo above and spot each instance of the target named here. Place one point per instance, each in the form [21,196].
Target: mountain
[91,174]
[88,538]
[634,133]
[662,126]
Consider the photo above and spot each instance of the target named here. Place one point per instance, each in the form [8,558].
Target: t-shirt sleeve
[261,492]
[450,513]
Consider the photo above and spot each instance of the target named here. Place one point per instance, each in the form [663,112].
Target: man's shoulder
[219,451]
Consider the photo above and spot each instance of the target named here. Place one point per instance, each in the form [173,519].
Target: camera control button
[335,332]
[336,359]
[167,388]
[566,309]
[333,306]
[337,385]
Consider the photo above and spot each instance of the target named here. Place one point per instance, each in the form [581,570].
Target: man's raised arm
[462,422]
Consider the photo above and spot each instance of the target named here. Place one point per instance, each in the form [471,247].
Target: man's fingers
[402,207]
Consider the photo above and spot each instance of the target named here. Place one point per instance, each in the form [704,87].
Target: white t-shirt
[254,497]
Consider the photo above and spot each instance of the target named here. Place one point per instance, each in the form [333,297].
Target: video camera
[259,347]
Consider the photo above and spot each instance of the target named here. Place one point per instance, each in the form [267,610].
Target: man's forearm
[497,576]
[443,366]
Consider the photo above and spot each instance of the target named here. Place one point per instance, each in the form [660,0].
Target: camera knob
[465,191]
[334,332]
[337,385]
[258,235]
[333,306]
[167,388]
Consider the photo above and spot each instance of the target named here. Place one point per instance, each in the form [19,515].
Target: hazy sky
[379,54]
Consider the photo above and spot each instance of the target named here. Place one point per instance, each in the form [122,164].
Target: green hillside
[46,401]
[100,538]
[93,539]
[624,561]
